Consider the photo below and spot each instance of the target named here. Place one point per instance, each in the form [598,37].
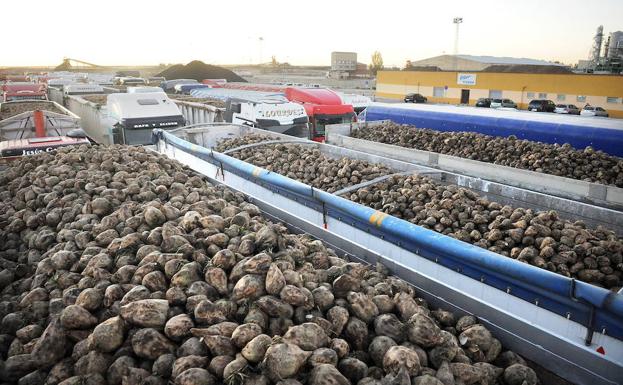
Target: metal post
[39,124]
[457,21]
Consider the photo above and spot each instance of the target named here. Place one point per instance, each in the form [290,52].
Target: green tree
[377,62]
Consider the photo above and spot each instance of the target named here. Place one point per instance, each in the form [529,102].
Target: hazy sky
[42,32]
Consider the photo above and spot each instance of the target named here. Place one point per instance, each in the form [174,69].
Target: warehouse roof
[529,69]
[507,60]
[489,63]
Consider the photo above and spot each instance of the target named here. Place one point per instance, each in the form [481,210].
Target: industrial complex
[454,221]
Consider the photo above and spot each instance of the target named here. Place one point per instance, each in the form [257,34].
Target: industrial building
[456,87]
[343,61]
[605,57]
[479,63]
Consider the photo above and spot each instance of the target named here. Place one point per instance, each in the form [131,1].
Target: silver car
[594,111]
[507,103]
[567,109]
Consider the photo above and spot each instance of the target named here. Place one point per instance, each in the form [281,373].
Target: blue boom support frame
[594,307]
[579,136]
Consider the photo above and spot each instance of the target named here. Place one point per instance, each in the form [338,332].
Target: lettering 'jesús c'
[36,151]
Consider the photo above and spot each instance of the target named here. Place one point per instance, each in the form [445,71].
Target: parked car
[415,98]
[483,102]
[570,109]
[593,111]
[541,105]
[497,103]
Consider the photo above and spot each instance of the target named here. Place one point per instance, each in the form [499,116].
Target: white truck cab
[142,90]
[273,114]
[132,117]
[82,89]
[265,110]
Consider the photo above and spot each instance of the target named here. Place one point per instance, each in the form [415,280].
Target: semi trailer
[130,81]
[185,89]
[29,127]
[578,190]
[579,132]
[126,118]
[199,110]
[569,327]
[83,89]
[323,106]
[23,91]
[169,85]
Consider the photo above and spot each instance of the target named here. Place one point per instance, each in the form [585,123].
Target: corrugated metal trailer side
[93,117]
[199,113]
[56,95]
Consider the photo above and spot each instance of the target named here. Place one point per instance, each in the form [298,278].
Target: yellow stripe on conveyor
[256,171]
[377,218]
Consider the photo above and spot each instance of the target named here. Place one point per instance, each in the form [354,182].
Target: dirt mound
[198,70]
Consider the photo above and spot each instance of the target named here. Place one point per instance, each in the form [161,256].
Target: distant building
[584,65]
[481,63]
[614,48]
[466,87]
[611,61]
[343,61]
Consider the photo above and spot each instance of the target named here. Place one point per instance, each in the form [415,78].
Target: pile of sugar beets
[538,238]
[120,266]
[562,160]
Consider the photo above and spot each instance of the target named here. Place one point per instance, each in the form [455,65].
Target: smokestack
[597,40]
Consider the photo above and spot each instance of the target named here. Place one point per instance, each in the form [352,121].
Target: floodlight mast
[457,21]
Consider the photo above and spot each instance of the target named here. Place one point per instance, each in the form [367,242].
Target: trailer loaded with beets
[29,127]
[242,256]
[518,276]
[153,274]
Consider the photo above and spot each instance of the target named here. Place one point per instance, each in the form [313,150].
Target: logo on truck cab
[26,152]
[281,113]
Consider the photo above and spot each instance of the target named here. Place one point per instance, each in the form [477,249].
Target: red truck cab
[24,91]
[323,107]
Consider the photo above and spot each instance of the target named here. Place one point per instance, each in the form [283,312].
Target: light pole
[261,41]
[457,21]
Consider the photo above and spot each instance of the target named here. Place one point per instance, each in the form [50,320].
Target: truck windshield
[24,97]
[320,122]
